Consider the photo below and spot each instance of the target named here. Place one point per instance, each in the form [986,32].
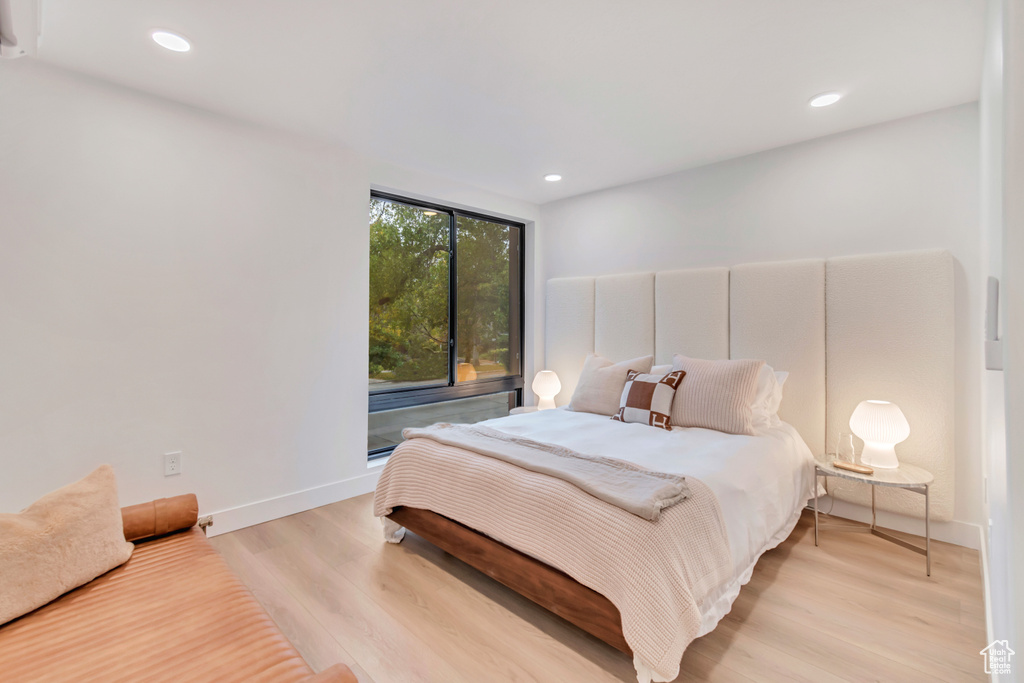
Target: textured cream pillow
[64,539]
[716,394]
[601,383]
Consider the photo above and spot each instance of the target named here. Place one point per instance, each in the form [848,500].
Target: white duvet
[762,482]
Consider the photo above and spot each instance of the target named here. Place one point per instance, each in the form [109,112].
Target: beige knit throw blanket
[660,574]
[637,490]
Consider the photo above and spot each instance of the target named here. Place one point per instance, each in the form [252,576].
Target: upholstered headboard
[846,329]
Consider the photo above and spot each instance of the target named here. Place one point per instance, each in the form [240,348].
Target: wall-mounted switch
[172,463]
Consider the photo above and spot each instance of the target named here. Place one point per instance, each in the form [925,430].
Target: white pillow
[601,383]
[661,369]
[780,379]
[768,398]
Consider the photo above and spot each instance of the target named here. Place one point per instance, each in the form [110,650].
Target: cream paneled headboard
[846,329]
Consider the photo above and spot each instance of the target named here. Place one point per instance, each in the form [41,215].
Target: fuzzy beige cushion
[601,383]
[61,541]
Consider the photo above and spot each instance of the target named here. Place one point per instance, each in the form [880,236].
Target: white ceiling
[496,94]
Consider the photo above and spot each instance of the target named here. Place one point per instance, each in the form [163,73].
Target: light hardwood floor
[854,609]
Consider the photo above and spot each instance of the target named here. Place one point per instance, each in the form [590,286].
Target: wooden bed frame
[550,588]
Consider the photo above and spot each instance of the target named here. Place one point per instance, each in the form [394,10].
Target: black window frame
[407,397]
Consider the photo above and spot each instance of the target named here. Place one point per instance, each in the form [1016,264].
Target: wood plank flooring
[857,608]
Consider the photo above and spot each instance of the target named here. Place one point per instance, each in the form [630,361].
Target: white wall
[172,280]
[998,545]
[904,185]
[1008,606]
[175,280]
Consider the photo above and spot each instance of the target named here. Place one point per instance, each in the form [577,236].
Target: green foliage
[431,366]
[383,356]
[408,293]
[409,268]
[483,292]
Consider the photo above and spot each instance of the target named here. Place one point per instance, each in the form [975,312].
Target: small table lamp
[546,386]
[882,425]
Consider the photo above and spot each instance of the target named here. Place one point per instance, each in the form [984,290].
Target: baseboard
[261,511]
[956,532]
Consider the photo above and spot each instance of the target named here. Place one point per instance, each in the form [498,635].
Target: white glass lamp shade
[881,425]
[546,386]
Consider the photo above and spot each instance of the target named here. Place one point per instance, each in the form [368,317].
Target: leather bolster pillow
[159,517]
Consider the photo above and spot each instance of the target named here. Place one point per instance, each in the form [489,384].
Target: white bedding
[762,482]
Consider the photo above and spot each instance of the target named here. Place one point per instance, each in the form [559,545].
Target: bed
[553,544]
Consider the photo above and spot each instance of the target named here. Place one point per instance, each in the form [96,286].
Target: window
[445,317]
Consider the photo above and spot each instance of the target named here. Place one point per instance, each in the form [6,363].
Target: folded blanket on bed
[662,576]
[636,490]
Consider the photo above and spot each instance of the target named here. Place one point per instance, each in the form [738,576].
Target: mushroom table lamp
[882,425]
[546,386]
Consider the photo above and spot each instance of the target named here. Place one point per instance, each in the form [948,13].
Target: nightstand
[905,476]
[523,409]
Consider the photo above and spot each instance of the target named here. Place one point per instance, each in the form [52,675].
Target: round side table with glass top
[905,476]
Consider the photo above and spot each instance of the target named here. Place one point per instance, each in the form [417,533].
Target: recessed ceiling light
[825,99]
[171,41]
[552,177]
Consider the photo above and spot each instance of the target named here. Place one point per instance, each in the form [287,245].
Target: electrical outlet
[172,463]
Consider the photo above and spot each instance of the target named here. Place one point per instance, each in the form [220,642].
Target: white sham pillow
[780,379]
[661,369]
[602,381]
[765,407]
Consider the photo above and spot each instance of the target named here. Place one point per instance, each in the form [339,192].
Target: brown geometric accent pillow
[647,399]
